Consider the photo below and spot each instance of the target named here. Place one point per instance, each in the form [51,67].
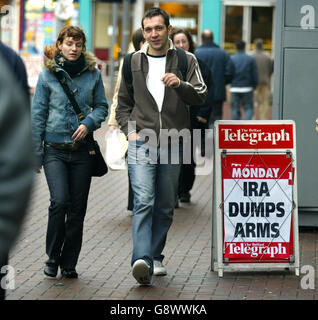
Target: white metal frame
[247,17]
[217,219]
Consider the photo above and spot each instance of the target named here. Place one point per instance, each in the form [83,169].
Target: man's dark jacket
[17,67]
[220,65]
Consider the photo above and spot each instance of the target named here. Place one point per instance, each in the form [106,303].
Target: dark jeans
[68,174]
[242,99]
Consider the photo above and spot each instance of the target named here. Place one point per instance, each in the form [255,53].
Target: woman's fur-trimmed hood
[90,60]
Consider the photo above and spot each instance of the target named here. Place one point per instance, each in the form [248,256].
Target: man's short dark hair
[240,45]
[153,12]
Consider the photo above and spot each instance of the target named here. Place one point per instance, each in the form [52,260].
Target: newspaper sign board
[255,195]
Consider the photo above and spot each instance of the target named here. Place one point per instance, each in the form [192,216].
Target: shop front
[183,14]
[248,20]
[41,23]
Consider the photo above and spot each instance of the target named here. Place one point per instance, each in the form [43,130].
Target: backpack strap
[128,74]
[182,66]
[182,62]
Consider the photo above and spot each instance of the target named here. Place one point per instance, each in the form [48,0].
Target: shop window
[233,27]
[262,22]
[181,16]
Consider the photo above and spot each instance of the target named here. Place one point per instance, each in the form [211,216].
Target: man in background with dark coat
[222,71]
[16,155]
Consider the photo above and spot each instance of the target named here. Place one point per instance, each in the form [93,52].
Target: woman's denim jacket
[53,117]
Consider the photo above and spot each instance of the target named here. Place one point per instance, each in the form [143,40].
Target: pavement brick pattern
[104,264]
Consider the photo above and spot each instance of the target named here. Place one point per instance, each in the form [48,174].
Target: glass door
[233,27]
[262,26]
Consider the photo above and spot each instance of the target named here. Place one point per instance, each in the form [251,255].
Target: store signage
[256,136]
[308,17]
[64,9]
[256,194]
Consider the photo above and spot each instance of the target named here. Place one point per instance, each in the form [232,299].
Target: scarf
[71,67]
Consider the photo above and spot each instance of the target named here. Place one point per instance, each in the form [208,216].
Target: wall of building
[211,17]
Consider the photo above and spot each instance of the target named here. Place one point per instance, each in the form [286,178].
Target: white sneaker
[159,269]
[141,271]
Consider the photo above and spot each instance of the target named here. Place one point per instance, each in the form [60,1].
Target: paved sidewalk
[104,265]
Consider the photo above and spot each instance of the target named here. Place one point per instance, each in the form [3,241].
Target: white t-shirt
[157,69]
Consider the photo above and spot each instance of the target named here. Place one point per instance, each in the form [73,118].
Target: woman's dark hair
[137,37]
[153,12]
[187,34]
[68,31]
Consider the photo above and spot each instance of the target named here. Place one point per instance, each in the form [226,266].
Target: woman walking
[199,115]
[61,142]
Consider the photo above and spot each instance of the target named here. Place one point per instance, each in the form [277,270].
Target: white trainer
[159,269]
[141,272]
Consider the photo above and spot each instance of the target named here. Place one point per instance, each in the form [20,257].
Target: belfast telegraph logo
[257,136]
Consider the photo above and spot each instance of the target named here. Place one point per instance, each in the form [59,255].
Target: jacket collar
[90,59]
[145,46]
[210,44]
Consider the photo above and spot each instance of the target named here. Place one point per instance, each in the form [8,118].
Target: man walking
[160,96]
[16,159]
[243,84]
[16,173]
[265,70]
[222,71]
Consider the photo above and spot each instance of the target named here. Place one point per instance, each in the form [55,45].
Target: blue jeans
[242,99]
[68,174]
[155,184]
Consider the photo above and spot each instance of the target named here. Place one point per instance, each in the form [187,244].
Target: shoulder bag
[99,166]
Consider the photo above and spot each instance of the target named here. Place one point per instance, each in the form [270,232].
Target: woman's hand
[80,133]
[200,119]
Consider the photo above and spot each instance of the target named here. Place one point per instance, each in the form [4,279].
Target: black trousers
[68,174]
[187,172]
[216,113]
[130,204]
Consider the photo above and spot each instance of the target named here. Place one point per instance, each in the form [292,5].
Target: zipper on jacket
[160,127]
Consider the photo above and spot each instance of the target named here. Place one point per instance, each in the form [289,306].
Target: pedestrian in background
[265,68]
[16,65]
[222,70]
[243,84]
[199,115]
[137,41]
[160,102]
[16,154]
[61,142]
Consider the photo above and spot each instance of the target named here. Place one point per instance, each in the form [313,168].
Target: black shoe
[51,268]
[185,197]
[69,273]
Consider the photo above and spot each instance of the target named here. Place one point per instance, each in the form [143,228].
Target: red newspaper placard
[257,191]
[256,136]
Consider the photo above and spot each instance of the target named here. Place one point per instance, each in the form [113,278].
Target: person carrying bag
[99,166]
[63,140]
